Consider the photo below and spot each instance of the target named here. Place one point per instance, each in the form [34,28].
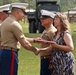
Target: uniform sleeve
[17,30]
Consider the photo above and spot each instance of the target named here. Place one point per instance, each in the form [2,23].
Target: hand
[37,40]
[53,44]
[37,51]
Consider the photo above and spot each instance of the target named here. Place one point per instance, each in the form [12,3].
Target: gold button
[44,57]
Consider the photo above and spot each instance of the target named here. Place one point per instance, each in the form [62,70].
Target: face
[20,14]
[57,22]
[0,15]
[4,16]
[46,21]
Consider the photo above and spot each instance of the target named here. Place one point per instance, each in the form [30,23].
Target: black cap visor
[24,11]
[6,11]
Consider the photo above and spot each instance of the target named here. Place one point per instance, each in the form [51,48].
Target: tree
[1,2]
[6,1]
[22,1]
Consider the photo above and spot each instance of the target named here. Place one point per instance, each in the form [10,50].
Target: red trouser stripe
[12,64]
[49,59]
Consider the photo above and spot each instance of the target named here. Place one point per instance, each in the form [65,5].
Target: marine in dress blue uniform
[47,34]
[4,13]
[11,38]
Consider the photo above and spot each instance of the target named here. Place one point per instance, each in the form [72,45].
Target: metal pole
[36,10]
[68,15]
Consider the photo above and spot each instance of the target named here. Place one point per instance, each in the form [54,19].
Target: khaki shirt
[0,22]
[47,35]
[11,31]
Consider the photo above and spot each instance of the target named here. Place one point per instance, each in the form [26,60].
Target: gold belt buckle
[44,57]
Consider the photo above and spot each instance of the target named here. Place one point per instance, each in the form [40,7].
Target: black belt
[9,48]
[44,57]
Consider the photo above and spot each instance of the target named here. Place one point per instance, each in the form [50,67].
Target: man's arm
[27,45]
[31,40]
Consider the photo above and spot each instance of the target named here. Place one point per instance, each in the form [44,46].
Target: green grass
[73,28]
[29,63]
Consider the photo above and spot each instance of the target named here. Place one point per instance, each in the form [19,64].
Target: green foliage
[64,4]
[67,4]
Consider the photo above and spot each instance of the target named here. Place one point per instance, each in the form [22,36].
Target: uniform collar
[0,22]
[49,27]
[13,17]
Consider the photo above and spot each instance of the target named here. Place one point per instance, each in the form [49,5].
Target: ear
[17,11]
